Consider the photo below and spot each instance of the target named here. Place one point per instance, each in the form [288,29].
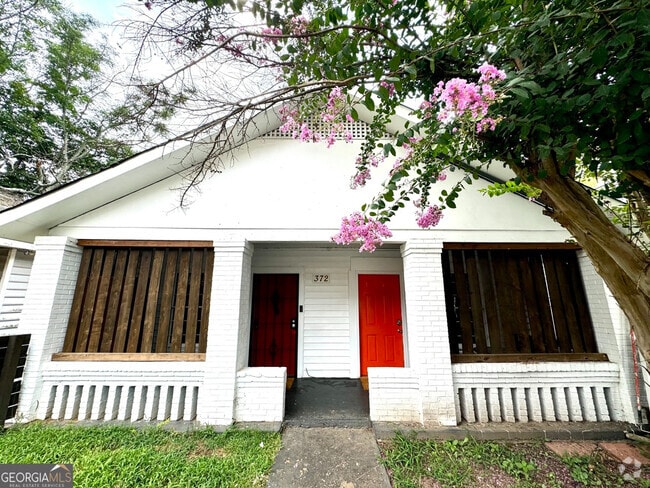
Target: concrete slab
[328,458]
[567,448]
[624,452]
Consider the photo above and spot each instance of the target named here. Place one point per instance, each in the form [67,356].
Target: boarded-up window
[516,302]
[141,300]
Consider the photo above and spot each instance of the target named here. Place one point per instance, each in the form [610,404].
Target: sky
[105,11]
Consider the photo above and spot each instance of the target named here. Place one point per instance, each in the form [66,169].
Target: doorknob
[399,322]
[294,323]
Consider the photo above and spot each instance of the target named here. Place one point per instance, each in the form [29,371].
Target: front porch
[220,386]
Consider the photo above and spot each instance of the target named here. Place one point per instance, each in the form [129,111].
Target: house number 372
[321,278]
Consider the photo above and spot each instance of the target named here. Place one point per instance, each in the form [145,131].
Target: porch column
[228,331]
[45,315]
[427,334]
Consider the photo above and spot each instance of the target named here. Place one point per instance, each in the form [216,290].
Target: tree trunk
[623,266]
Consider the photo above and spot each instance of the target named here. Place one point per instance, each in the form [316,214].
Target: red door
[274,325]
[380,322]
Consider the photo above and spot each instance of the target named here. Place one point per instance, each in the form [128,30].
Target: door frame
[301,300]
[369,266]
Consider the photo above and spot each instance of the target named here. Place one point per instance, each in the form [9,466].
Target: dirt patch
[201,450]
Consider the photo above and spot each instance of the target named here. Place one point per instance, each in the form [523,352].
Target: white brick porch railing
[129,391]
[536,392]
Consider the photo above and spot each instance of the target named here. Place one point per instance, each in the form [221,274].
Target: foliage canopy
[574,106]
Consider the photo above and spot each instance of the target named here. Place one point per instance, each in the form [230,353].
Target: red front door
[274,325]
[380,322]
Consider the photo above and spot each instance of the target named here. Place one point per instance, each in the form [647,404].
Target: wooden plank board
[166,300]
[581,306]
[206,293]
[530,299]
[450,294]
[193,301]
[490,302]
[151,306]
[97,325]
[526,358]
[138,243]
[521,330]
[510,246]
[555,294]
[504,295]
[464,302]
[544,305]
[139,299]
[105,357]
[122,329]
[77,302]
[88,308]
[181,300]
[113,305]
[568,299]
[474,285]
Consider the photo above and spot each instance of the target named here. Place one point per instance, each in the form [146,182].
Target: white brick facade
[274,211]
[47,306]
[428,336]
[227,348]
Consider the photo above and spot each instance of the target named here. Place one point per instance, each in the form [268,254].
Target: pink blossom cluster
[363,164]
[357,227]
[390,87]
[360,178]
[490,73]
[334,115]
[298,25]
[458,98]
[430,217]
[271,34]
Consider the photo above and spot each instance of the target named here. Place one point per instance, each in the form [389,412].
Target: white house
[139,309]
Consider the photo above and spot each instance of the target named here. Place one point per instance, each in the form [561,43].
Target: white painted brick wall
[394,395]
[612,334]
[228,316]
[260,395]
[47,305]
[552,391]
[427,334]
[131,391]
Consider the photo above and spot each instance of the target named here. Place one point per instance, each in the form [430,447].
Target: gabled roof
[144,169]
[38,215]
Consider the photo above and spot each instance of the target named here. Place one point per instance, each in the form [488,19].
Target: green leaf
[520,92]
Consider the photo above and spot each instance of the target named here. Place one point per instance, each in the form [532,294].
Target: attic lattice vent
[359,130]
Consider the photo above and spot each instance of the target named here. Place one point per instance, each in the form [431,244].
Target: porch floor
[327,402]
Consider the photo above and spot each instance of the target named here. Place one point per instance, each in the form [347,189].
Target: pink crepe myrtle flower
[357,227]
[488,123]
[360,178]
[298,25]
[271,34]
[390,87]
[489,73]
[459,97]
[430,217]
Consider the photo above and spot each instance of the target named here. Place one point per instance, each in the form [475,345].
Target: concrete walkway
[328,457]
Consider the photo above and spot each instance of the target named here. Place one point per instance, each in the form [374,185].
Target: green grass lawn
[415,463]
[105,457]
